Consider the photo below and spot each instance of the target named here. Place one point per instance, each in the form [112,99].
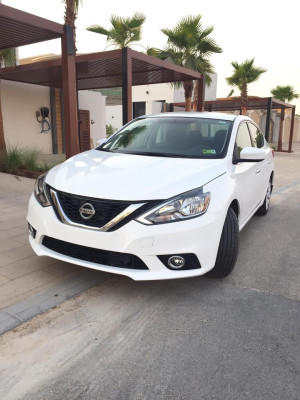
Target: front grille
[97,256]
[105,210]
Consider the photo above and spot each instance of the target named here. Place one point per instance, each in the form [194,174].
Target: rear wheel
[264,208]
[228,247]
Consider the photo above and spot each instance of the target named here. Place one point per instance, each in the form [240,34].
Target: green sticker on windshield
[209,151]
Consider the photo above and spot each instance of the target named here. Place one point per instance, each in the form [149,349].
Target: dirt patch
[23,171]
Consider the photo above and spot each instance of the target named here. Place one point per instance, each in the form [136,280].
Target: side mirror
[251,154]
[101,141]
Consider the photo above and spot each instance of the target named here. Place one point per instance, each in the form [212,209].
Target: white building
[150,99]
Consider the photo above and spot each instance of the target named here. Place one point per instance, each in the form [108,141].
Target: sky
[265,29]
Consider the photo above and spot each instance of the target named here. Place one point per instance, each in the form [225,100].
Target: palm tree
[284,93]
[244,74]
[124,31]
[71,13]
[8,59]
[190,45]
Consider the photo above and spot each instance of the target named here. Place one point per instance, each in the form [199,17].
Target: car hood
[131,177]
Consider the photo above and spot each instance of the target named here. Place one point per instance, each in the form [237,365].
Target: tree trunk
[70,17]
[188,92]
[244,99]
[2,140]
[195,97]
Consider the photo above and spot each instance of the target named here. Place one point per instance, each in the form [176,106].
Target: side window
[257,136]
[242,138]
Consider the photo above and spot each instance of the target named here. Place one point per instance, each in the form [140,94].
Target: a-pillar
[69,92]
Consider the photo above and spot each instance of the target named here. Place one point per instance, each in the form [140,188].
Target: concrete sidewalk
[30,285]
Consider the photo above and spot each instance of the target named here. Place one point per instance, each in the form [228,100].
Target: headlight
[187,205]
[40,192]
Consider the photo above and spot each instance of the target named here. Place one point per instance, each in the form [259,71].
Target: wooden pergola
[255,103]
[18,28]
[117,68]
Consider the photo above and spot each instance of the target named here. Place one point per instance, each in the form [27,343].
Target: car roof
[208,115]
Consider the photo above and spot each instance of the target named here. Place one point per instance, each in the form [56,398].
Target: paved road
[197,338]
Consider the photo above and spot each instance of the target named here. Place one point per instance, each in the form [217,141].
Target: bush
[13,158]
[17,157]
[110,130]
[30,159]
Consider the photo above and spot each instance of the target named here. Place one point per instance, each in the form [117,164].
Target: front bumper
[200,236]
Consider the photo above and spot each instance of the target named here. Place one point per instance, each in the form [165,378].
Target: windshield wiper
[171,155]
[147,153]
[108,150]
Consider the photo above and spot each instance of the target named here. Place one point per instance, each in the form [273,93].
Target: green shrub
[19,157]
[110,130]
[30,159]
[13,158]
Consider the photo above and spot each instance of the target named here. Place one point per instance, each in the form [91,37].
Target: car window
[257,137]
[172,136]
[242,138]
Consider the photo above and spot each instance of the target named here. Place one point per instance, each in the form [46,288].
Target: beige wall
[20,101]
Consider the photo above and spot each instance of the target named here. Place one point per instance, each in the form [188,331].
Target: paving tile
[4,260]
[16,216]
[26,286]
[19,251]
[9,233]
[25,266]
[9,245]
[61,268]
[23,238]
[3,280]
[11,208]
[23,226]
[13,223]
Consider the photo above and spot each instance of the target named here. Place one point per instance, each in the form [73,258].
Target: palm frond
[284,93]
[124,31]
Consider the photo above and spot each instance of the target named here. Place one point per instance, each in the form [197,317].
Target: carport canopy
[254,103]
[18,28]
[125,68]
[117,68]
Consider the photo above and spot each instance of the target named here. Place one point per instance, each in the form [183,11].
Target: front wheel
[264,208]
[228,247]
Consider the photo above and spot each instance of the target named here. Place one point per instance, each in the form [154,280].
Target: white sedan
[164,197]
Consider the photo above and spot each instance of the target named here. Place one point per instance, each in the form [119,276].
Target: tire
[228,247]
[264,208]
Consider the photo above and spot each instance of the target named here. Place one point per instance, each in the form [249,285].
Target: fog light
[31,230]
[176,262]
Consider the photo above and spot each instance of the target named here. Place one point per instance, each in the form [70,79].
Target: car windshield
[172,137]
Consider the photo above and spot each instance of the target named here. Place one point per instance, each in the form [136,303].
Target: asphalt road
[198,338]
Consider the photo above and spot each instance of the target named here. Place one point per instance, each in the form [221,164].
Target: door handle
[257,171]
[269,161]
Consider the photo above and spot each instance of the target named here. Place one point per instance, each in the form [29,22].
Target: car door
[265,166]
[246,175]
